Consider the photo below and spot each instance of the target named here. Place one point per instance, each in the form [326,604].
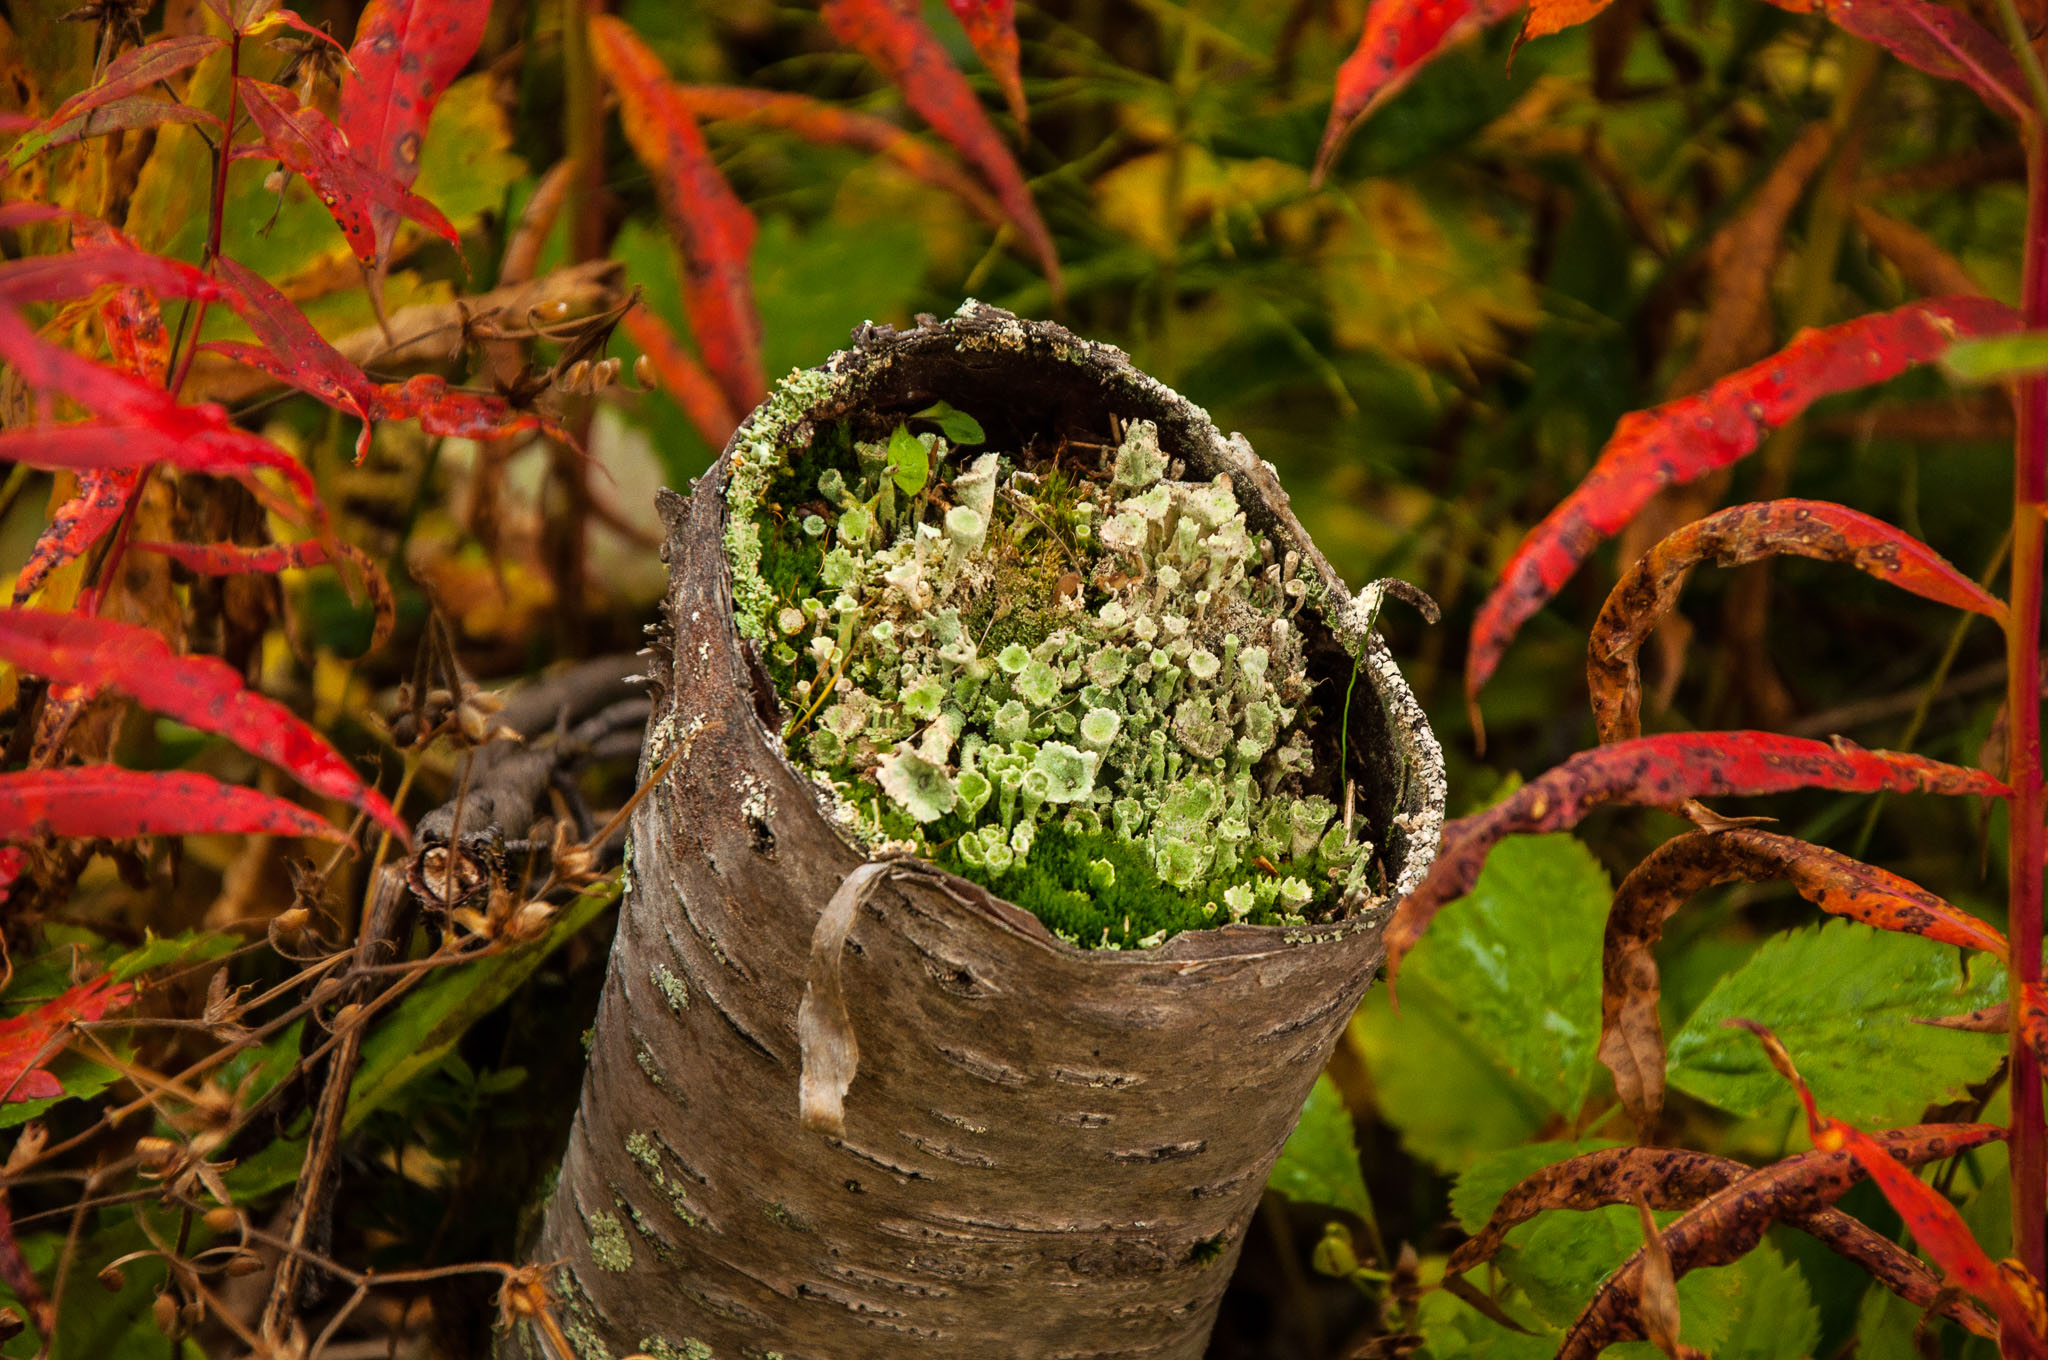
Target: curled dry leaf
[202,691]
[1656,772]
[1400,37]
[105,801]
[1799,1191]
[1932,1220]
[304,142]
[829,125]
[712,228]
[1748,533]
[1685,439]
[234,559]
[892,34]
[404,55]
[681,376]
[28,1040]
[1631,1032]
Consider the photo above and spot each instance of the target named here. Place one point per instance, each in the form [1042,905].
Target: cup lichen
[1080,681]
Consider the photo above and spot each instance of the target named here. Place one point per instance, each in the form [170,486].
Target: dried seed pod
[155,1153]
[223,1219]
[113,1279]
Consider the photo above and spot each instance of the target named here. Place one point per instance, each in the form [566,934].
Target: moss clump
[1080,685]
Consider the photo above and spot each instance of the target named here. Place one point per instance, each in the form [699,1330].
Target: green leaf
[954,423]
[910,463]
[1435,1086]
[156,951]
[1319,1164]
[1842,997]
[1994,358]
[1517,964]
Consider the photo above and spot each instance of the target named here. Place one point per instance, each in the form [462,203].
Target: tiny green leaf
[1995,358]
[910,463]
[955,424]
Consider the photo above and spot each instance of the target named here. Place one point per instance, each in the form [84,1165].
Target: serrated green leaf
[954,423]
[1994,358]
[1843,998]
[1517,964]
[1450,1105]
[910,464]
[1319,1164]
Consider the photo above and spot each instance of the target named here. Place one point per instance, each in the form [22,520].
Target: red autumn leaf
[1932,1220]
[49,278]
[1685,439]
[304,142]
[991,27]
[444,410]
[121,115]
[712,228]
[133,316]
[1649,589]
[681,376]
[104,800]
[137,70]
[829,125]
[308,362]
[1399,37]
[405,53]
[75,526]
[201,691]
[29,1040]
[234,559]
[1658,771]
[892,34]
[1631,1029]
[1936,39]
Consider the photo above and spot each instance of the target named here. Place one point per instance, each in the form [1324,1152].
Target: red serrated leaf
[1932,1220]
[1658,771]
[201,691]
[304,142]
[103,800]
[1648,590]
[235,559]
[829,125]
[29,1040]
[1686,439]
[75,526]
[712,228]
[892,34]
[405,53]
[1400,37]
[991,27]
[682,377]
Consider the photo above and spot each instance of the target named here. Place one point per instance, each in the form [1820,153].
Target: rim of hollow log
[889,374]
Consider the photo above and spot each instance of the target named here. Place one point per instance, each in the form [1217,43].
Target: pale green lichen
[646,1153]
[1085,687]
[609,1245]
[662,1349]
[673,989]
[577,1318]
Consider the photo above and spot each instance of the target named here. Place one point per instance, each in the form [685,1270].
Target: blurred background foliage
[1509,255]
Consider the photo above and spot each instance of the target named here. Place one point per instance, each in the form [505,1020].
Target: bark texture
[1045,1152]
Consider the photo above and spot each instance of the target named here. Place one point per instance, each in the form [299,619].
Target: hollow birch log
[840,1108]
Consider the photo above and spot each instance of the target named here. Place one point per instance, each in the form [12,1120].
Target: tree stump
[1044,1151]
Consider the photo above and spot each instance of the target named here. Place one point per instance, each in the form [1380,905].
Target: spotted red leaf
[829,125]
[132,315]
[116,100]
[1631,1029]
[1932,1220]
[103,800]
[991,27]
[445,410]
[201,691]
[29,1040]
[1685,439]
[681,376]
[892,34]
[235,559]
[1748,533]
[303,357]
[113,446]
[405,53]
[1658,771]
[712,228]
[1400,37]
[303,141]
[75,526]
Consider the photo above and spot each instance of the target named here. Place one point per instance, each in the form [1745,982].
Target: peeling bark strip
[1043,1151]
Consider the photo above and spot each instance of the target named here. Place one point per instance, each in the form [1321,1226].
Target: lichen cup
[839,1108]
